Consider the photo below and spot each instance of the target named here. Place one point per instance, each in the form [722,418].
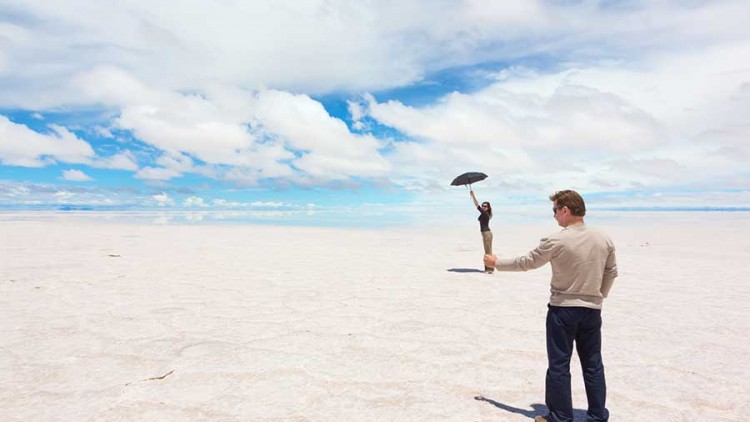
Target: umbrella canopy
[468,178]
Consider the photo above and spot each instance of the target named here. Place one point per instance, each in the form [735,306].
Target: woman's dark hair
[489,208]
[570,199]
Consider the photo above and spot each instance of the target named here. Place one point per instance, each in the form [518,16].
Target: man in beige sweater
[583,270]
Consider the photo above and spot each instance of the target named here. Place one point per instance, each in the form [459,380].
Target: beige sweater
[583,265]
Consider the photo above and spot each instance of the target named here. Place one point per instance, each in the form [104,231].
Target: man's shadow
[464,270]
[536,409]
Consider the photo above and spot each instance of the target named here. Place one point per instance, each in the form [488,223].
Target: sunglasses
[555,209]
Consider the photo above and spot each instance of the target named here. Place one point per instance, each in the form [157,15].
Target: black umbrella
[468,178]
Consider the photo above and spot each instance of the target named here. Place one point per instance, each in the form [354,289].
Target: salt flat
[140,322]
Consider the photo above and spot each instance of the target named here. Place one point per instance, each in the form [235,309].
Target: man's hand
[490,260]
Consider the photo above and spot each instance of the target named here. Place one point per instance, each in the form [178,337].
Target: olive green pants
[487,241]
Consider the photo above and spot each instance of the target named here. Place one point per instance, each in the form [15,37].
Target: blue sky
[290,110]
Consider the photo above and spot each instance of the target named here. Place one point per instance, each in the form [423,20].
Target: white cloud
[194,201]
[21,146]
[572,116]
[338,44]
[678,119]
[518,137]
[268,204]
[157,173]
[124,160]
[355,110]
[163,200]
[329,150]
[170,121]
[74,175]
[612,95]
[63,196]
[104,132]
[171,165]
[259,135]
[15,191]
[223,203]
[322,45]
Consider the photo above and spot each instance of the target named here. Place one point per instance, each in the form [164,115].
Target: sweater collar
[576,226]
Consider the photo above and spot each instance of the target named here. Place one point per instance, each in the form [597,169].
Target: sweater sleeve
[541,255]
[610,272]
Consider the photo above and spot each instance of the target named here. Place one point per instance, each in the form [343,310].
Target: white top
[583,265]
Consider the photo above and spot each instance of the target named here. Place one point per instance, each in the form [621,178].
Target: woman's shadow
[464,270]
[536,409]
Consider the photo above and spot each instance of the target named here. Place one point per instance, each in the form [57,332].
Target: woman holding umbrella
[485,214]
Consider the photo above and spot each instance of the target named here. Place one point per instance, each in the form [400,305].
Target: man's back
[583,266]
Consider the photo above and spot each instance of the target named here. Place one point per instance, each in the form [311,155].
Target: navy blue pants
[582,326]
